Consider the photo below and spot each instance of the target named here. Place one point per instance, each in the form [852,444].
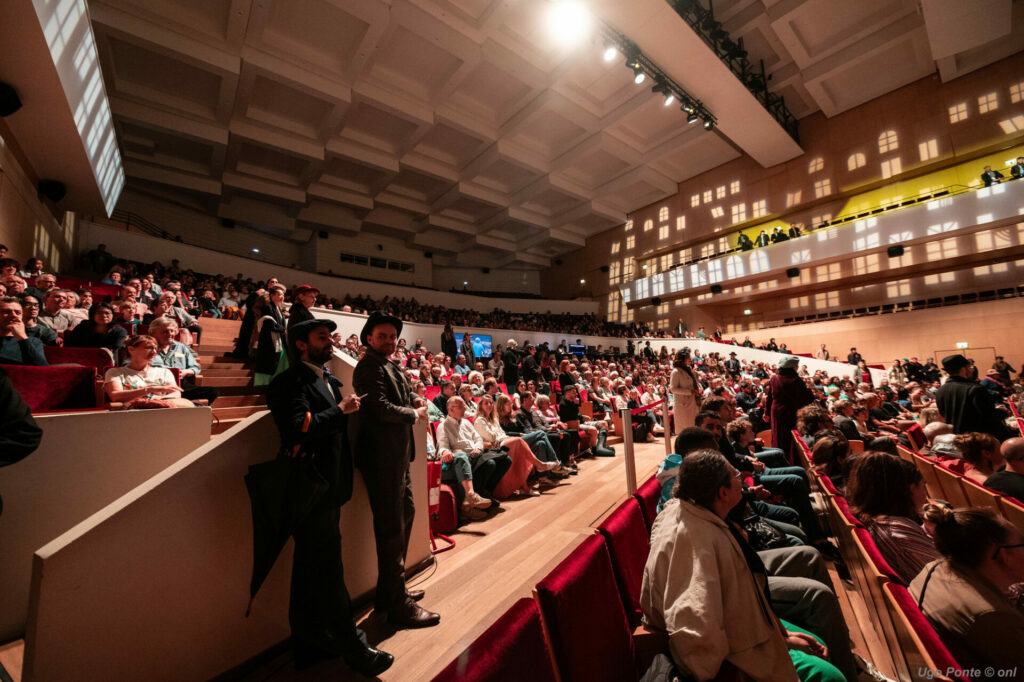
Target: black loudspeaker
[428,254]
[793,272]
[716,288]
[895,251]
[605,269]
[9,100]
[558,261]
[322,234]
[486,271]
[54,190]
[227,222]
[656,300]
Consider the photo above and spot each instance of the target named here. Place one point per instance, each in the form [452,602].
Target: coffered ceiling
[457,126]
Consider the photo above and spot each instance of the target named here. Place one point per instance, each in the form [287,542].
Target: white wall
[329,250]
[155,585]
[145,248]
[85,462]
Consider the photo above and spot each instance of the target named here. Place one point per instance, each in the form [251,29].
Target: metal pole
[627,442]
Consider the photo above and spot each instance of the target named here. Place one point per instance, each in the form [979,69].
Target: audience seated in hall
[29,314]
[982,452]
[139,384]
[17,347]
[98,331]
[1010,481]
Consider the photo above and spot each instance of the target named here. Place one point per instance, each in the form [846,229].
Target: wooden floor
[494,563]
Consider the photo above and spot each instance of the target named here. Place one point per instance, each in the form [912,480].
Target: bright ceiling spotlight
[668,100]
[708,123]
[610,53]
[691,117]
[639,77]
[568,22]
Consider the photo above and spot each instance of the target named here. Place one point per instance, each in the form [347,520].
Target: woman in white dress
[685,389]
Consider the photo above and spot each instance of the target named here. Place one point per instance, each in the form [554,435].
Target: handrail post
[627,442]
[668,418]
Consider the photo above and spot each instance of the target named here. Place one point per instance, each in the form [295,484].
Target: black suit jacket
[531,370]
[968,407]
[383,426]
[292,394]
[298,313]
[1017,170]
[991,176]
[510,362]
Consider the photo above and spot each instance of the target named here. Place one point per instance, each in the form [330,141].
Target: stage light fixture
[708,123]
[692,117]
[668,100]
[568,22]
[610,53]
[639,77]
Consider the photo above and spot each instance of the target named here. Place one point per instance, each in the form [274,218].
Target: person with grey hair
[510,363]
[708,589]
[176,355]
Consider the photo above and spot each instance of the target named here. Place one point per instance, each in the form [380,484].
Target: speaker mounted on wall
[605,269]
[227,222]
[9,100]
[54,190]
[895,251]
[428,254]
[486,271]
[716,288]
[656,300]
[793,272]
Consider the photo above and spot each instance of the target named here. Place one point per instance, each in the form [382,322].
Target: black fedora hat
[376,318]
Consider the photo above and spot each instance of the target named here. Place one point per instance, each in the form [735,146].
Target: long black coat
[383,425]
[510,361]
[968,407]
[292,394]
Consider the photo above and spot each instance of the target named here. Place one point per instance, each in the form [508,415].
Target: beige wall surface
[155,586]
[85,462]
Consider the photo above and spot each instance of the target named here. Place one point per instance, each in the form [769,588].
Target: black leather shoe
[412,615]
[369,661]
[415,595]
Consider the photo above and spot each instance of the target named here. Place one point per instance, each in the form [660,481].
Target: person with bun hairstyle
[887,493]
[972,596]
[982,452]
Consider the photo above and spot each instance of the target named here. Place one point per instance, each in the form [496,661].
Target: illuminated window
[707,197]
[888,142]
[663,214]
[1017,92]
[616,247]
[864,265]
[898,288]
[613,306]
[707,251]
[723,244]
[663,310]
[630,242]
[929,149]
[734,187]
[627,269]
[686,255]
[666,262]
[826,299]
[987,103]
[629,225]
[824,273]
[822,188]
[739,213]
[941,249]
[891,167]
[614,272]
[681,222]
[663,232]
[815,165]
[958,112]
[759,208]
[793,198]
[720,192]
[819,219]
[694,200]
[717,212]
[1012,125]
[855,161]
[734,267]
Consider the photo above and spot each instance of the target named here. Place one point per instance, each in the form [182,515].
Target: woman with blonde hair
[524,462]
[982,452]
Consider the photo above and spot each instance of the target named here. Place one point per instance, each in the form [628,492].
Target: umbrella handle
[305,428]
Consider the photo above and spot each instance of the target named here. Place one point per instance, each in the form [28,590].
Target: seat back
[915,434]
[906,454]
[931,480]
[512,649]
[874,572]
[648,495]
[1013,511]
[801,452]
[100,359]
[856,447]
[980,496]
[583,617]
[626,534]
[949,481]
[54,388]
[766,438]
[922,649]
[432,392]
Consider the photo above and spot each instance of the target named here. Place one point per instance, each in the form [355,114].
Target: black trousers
[389,487]
[319,600]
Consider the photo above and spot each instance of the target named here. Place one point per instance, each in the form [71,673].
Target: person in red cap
[303,298]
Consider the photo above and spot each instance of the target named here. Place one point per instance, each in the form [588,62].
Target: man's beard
[321,356]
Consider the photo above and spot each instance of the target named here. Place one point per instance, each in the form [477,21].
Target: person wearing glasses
[140,381]
[30,315]
[99,331]
[972,596]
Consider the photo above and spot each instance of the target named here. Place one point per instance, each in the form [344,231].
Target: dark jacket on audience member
[968,407]
[510,362]
[298,313]
[22,352]
[84,336]
[19,433]
[1008,483]
[531,370]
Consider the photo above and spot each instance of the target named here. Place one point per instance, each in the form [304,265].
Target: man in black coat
[531,368]
[383,439]
[303,298]
[19,433]
[319,611]
[510,365]
[966,405]
[853,357]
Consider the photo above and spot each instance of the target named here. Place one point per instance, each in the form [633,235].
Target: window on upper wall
[928,150]
[739,213]
[987,103]
[717,212]
[614,272]
[822,188]
[627,269]
[793,198]
[734,187]
[708,197]
[680,222]
[616,247]
[663,232]
[720,192]
[628,226]
[888,142]
[663,214]
[1017,92]
[648,225]
[694,200]
[958,112]
[855,161]
[759,208]
[815,165]
[630,242]
[613,306]
[891,167]
[666,262]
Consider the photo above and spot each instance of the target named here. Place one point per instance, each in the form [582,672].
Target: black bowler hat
[376,318]
[954,363]
[300,331]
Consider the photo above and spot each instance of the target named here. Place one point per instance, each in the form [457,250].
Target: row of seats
[912,643]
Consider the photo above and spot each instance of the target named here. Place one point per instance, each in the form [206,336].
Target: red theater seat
[512,649]
[54,388]
[100,359]
[920,642]
[433,392]
[915,434]
[648,496]
[626,533]
[583,616]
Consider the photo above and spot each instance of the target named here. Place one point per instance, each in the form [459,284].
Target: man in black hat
[383,438]
[966,405]
[319,611]
[732,365]
[303,298]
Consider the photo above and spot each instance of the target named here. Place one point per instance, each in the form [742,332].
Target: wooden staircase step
[239,401]
[234,390]
[225,365]
[215,349]
[209,358]
[228,372]
[236,412]
[217,382]
[223,425]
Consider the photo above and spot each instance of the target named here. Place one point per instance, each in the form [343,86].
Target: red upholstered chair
[626,534]
[648,496]
[952,490]
[915,434]
[432,392]
[503,388]
[512,649]
[926,467]
[583,617]
[100,359]
[980,496]
[556,387]
[921,645]
[54,388]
